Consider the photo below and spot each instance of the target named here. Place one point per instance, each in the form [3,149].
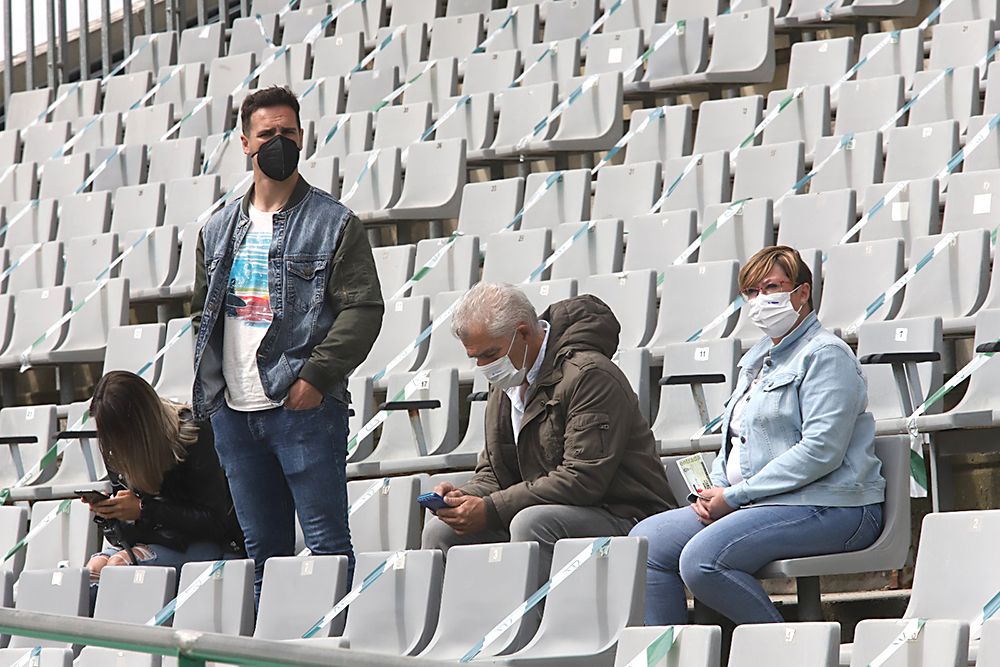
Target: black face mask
[278,157]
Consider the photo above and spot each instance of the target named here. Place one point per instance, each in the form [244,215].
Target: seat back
[440,425]
[667,137]
[694,645]
[865,104]
[623,191]
[13,527]
[724,124]
[404,319]
[820,62]
[920,152]
[919,335]
[598,250]
[394,266]
[224,604]
[134,594]
[751,229]
[69,540]
[706,184]
[960,43]
[903,56]
[64,592]
[296,592]
[817,220]
[654,241]
[389,520]
[631,295]
[82,463]
[786,645]
[39,422]
[693,296]
[512,256]
[854,275]
[943,643]
[177,375]
[566,200]
[489,206]
[572,19]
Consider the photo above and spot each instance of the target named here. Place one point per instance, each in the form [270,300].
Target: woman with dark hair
[171,502]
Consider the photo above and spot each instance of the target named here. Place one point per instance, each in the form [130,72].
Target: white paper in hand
[695,473]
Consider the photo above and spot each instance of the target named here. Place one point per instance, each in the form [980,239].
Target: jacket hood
[581,323]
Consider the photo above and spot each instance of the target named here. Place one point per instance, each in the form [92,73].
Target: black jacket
[194,505]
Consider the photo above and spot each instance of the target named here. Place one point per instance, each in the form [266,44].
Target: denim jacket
[809,439]
[326,302]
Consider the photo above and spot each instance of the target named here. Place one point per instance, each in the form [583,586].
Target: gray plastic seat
[91,215]
[138,208]
[326,97]
[177,375]
[456,36]
[940,642]
[162,51]
[572,627]
[916,335]
[432,187]
[623,191]
[46,306]
[180,84]
[70,540]
[63,176]
[353,136]
[817,220]
[249,36]
[785,645]
[437,87]
[10,146]
[404,319]
[512,256]
[506,574]
[723,124]
[39,223]
[337,56]
[920,152]
[987,156]
[520,33]
[20,185]
[38,422]
[363,408]
[768,171]
[128,166]
[87,332]
[691,9]
[856,273]
[401,125]
[82,465]
[366,18]
[489,206]
[654,241]
[63,592]
[43,140]
[820,62]
[599,250]
[856,167]
[466,454]
[914,212]
[147,125]
[124,90]
[693,295]
[228,159]
[378,187]
[955,283]
[296,592]
[457,270]
[47,657]
[678,418]
[368,88]
[299,23]
[407,48]
[152,266]
[631,295]
[866,104]
[903,56]
[26,106]
[614,52]
[635,365]
[226,74]
[694,645]
[681,56]
[390,520]
[560,66]
[749,231]
[955,97]
[416,11]
[133,594]
[292,68]
[568,200]
[474,122]
[398,450]
[805,119]
[42,268]
[960,43]
[970,201]
[178,158]
[526,106]
[491,72]
[201,43]
[188,198]
[572,19]
[394,265]
[638,14]
[665,138]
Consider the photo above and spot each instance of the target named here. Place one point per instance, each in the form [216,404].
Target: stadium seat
[561,66]
[404,319]
[437,87]
[368,88]
[294,67]
[805,119]
[615,52]
[520,33]
[178,158]
[13,528]
[20,186]
[249,36]
[955,97]
[491,72]
[817,220]
[64,591]
[366,18]
[856,167]
[362,409]
[398,450]
[682,56]
[574,629]
[300,22]
[506,574]
[407,49]
[854,275]
[512,256]
[635,365]
[152,266]
[623,191]
[389,520]
[456,36]
[457,270]
[970,201]
[91,215]
[44,139]
[378,185]
[665,138]
[654,241]
[68,541]
[572,19]
[489,206]
[694,645]
[768,171]
[866,104]
[693,295]
[691,9]
[394,265]
[401,125]
[26,106]
[39,223]
[599,250]
[631,296]
[444,350]
[526,105]
[337,56]
[919,336]
[708,183]
[296,592]
[751,230]
[785,644]
[919,152]
[162,52]
[201,44]
[723,124]
[127,166]
[63,176]
[42,268]
[914,212]
[706,367]
[466,454]
[820,62]
[954,285]
[960,43]
[568,200]
[432,186]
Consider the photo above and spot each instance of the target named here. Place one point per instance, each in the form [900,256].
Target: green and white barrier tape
[558,111]
[30,659]
[656,650]
[767,120]
[57,511]
[598,548]
[379,485]
[428,266]
[396,561]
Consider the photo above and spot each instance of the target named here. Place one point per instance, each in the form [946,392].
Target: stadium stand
[636,150]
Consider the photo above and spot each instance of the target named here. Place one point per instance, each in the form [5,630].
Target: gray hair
[498,307]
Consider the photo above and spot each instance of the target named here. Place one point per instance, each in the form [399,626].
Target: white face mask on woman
[773,313]
[501,373]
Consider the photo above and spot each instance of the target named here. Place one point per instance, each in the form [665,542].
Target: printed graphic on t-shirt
[248,300]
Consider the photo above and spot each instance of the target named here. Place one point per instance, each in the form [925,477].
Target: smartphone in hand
[92,497]
[432,502]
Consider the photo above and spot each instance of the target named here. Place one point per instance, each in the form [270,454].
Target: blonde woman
[170,502]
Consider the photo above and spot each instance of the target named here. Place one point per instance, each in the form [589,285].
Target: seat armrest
[18,439]
[478,396]
[707,378]
[989,347]
[900,357]
[75,435]
[410,405]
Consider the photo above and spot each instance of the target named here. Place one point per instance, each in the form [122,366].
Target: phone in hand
[432,501]
[92,497]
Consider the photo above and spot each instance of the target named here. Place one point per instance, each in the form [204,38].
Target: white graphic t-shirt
[248,316]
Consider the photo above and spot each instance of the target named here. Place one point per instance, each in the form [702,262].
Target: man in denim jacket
[286,304]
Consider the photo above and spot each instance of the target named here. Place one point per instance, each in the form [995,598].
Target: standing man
[286,304]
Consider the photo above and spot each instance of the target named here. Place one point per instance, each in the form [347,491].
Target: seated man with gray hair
[568,452]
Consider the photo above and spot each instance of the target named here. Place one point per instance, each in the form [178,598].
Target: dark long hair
[141,436]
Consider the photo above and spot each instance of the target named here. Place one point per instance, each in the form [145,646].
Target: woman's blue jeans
[717,562]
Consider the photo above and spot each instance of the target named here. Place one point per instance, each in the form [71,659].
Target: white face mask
[501,373]
[773,313]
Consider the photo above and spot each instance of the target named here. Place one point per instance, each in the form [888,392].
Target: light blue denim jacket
[809,439]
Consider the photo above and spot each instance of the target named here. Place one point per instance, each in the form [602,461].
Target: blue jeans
[280,463]
[717,562]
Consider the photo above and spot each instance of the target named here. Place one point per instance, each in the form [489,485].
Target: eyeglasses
[768,289]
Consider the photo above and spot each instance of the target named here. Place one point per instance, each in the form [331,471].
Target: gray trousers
[544,524]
